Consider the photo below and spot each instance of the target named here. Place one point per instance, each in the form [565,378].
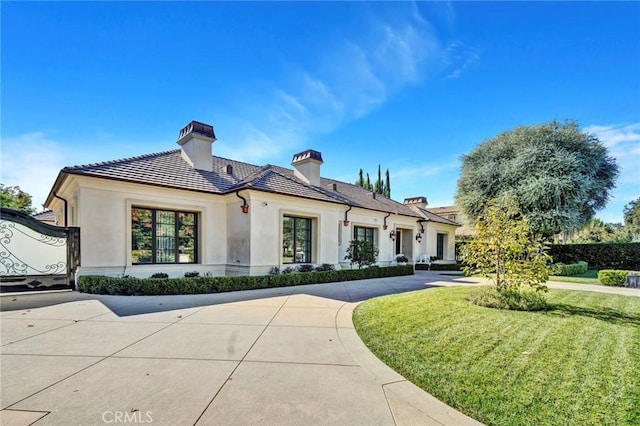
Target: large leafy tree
[15,198]
[558,175]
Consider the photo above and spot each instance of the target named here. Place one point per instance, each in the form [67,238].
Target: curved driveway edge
[283,356]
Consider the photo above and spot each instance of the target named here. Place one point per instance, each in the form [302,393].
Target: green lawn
[589,277]
[576,364]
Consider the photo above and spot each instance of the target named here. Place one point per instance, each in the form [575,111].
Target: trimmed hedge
[97,284]
[439,267]
[614,277]
[560,269]
[598,256]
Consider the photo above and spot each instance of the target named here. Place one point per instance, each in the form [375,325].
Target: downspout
[385,222]
[346,218]
[244,206]
[66,207]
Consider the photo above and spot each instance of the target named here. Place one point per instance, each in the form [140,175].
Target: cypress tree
[387,185]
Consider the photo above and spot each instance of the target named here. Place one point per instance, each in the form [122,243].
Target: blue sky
[409,86]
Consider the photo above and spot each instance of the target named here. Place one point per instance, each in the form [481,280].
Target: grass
[577,363]
[589,277]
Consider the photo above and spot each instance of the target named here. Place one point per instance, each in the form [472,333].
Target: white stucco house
[188,210]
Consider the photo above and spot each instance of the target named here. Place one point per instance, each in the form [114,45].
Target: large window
[296,239]
[363,234]
[163,236]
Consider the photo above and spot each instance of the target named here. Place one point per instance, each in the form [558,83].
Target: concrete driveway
[274,356]
[277,356]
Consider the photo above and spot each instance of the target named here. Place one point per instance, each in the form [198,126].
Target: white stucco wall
[103,213]
[432,229]
[230,241]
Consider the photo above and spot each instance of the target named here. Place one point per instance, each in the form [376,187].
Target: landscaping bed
[576,363]
[198,285]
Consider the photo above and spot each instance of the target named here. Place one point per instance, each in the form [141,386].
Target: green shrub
[160,275]
[512,299]
[198,285]
[599,256]
[306,268]
[325,267]
[438,267]
[613,277]
[361,253]
[446,266]
[560,269]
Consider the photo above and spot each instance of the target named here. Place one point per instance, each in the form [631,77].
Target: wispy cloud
[460,57]
[425,170]
[347,81]
[32,162]
[623,143]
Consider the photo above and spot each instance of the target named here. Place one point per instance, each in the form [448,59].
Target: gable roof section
[436,218]
[168,169]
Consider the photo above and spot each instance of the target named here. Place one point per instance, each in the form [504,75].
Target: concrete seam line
[55,383]
[241,360]
[39,334]
[386,399]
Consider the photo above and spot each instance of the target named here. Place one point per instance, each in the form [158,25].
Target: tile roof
[168,169]
[45,216]
[430,216]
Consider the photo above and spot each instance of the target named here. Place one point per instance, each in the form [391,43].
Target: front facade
[187,210]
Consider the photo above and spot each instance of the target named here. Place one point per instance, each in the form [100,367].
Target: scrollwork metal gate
[36,256]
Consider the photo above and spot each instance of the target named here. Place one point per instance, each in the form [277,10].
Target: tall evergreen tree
[387,185]
[379,188]
[367,184]
[360,181]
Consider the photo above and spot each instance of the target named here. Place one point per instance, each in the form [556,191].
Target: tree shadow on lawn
[603,314]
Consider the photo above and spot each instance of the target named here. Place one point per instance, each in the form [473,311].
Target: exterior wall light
[392,235]
[419,238]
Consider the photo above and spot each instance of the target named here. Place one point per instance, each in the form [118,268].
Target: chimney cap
[309,154]
[196,127]
[415,200]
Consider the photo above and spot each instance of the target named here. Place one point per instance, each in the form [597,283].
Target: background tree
[380,186]
[360,181]
[387,185]
[632,218]
[15,198]
[559,175]
[502,249]
[597,231]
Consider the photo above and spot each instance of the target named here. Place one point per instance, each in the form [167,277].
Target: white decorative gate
[36,256]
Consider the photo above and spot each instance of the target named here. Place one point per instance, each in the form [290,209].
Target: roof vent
[335,186]
[229,169]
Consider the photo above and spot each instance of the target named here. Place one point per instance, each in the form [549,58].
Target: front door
[404,242]
[441,243]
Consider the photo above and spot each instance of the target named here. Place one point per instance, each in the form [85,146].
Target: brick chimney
[307,166]
[416,201]
[196,140]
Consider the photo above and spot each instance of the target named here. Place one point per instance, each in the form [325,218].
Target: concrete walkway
[276,356]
